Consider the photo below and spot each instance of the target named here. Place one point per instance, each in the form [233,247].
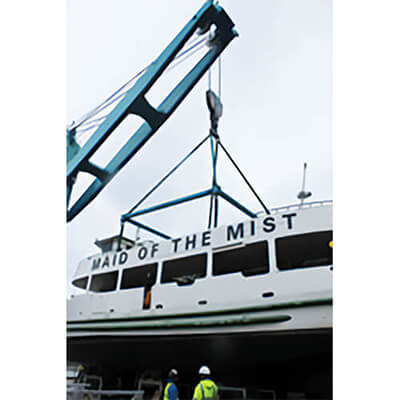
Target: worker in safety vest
[170,390]
[206,389]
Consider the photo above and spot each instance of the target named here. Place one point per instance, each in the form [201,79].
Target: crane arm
[135,102]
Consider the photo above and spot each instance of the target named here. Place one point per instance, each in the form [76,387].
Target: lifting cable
[245,179]
[218,143]
[111,99]
[167,176]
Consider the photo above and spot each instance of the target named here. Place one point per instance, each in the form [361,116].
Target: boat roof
[109,244]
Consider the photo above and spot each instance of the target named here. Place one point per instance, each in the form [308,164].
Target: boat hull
[297,360]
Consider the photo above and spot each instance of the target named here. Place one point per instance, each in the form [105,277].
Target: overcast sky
[276,91]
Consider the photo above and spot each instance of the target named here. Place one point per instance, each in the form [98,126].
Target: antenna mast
[303,194]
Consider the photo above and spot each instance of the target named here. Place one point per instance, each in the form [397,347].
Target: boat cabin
[285,255]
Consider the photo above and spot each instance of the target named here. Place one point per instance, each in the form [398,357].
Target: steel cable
[167,176]
[86,119]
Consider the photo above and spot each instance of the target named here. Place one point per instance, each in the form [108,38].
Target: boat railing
[298,206]
[77,392]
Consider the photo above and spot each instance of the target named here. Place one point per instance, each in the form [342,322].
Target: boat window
[304,251]
[249,260]
[106,282]
[81,282]
[136,277]
[184,270]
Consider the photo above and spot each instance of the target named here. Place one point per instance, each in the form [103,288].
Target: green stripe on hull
[185,323]
[193,320]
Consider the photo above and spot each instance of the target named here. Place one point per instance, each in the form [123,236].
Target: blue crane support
[134,102]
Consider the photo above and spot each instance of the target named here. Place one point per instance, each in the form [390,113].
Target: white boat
[271,273]
[253,299]
[241,296]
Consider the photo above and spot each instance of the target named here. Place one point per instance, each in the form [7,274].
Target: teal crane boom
[135,102]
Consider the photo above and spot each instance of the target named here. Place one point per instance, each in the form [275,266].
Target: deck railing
[298,206]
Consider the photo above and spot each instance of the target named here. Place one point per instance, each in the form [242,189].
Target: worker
[206,388]
[171,390]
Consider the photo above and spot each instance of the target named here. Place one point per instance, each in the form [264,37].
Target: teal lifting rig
[134,102]
[215,107]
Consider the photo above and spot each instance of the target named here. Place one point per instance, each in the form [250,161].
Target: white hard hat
[204,370]
[173,372]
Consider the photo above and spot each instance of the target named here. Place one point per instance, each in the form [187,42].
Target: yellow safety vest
[167,386]
[205,390]
[166,390]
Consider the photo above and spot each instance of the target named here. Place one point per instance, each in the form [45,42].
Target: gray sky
[276,91]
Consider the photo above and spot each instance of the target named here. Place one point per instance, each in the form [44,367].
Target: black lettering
[289,219]
[96,263]
[252,227]
[205,238]
[142,253]
[190,242]
[123,257]
[114,259]
[154,249]
[233,233]
[106,262]
[269,224]
[175,242]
